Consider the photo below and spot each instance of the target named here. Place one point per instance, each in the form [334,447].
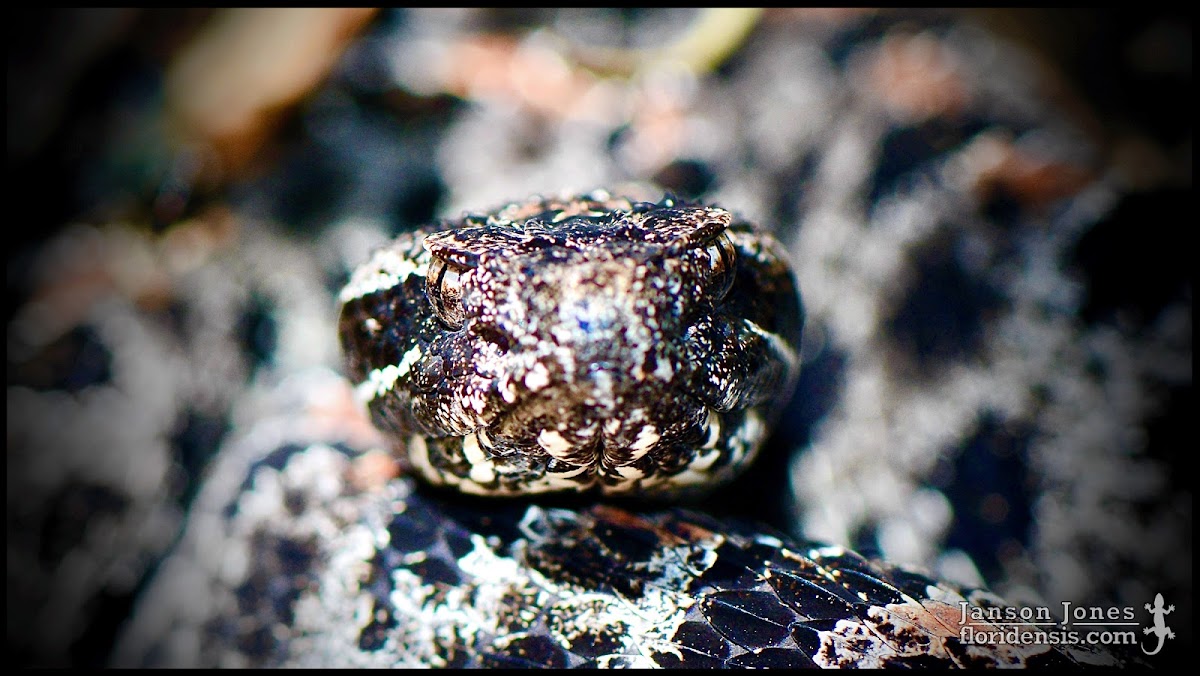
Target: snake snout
[603,319]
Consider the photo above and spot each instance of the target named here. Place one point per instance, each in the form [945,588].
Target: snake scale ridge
[184,426]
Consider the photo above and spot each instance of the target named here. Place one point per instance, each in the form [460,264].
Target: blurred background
[931,170]
[89,86]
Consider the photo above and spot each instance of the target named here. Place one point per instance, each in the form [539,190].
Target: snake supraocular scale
[575,343]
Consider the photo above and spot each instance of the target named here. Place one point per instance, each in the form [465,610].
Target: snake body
[561,344]
[325,557]
[307,551]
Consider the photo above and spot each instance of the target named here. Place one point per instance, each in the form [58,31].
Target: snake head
[569,344]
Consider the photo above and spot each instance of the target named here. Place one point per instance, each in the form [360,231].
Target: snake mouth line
[484,462]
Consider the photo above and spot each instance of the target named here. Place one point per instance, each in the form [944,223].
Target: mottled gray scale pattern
[590,342]
[410,578]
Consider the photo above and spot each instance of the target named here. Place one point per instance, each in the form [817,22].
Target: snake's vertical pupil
[721,264]
[443,287]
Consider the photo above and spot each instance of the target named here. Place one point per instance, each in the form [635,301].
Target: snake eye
[443,287]
[718,262]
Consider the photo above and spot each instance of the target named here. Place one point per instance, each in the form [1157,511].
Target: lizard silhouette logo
[1160,628]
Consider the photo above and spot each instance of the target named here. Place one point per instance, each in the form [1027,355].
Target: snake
[592,345]
[207,480]
[576,343]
